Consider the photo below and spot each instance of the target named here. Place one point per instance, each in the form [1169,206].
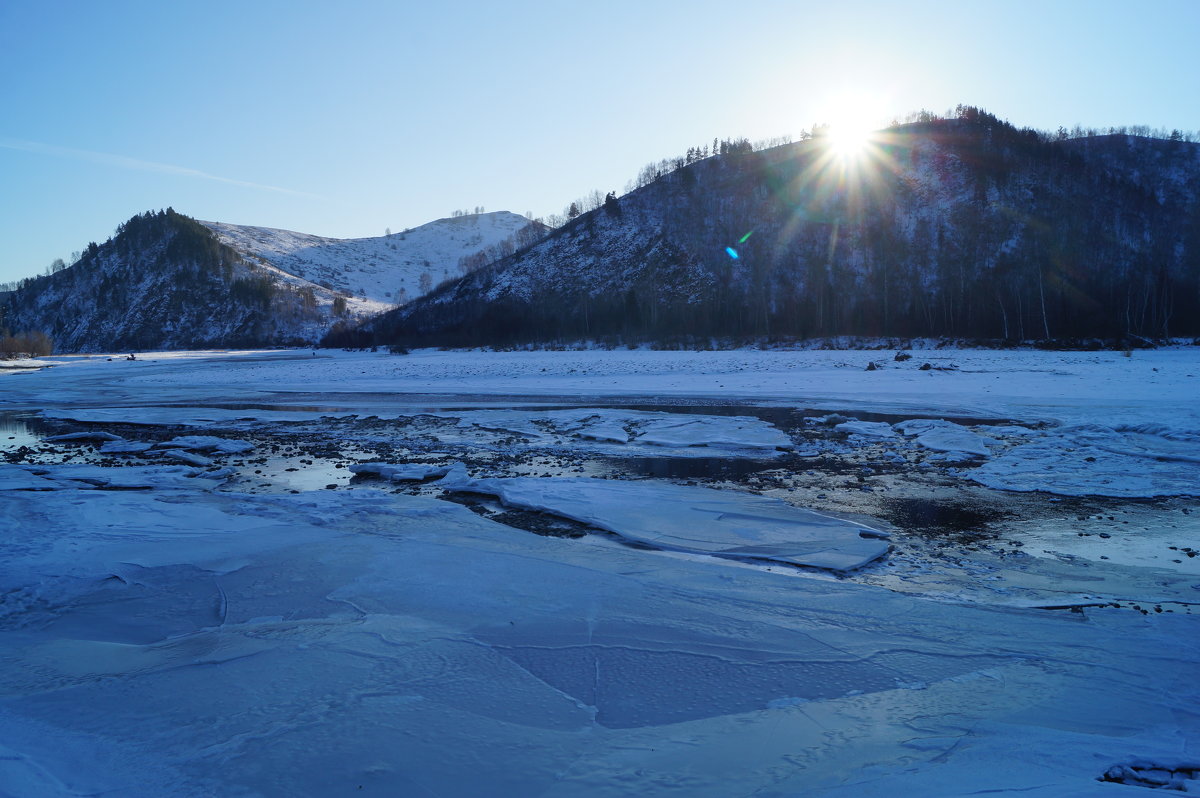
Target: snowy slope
[383,269]
[964,228]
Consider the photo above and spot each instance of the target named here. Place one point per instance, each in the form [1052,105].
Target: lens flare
[849,140]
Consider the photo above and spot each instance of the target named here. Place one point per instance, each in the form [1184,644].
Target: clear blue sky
[342,119]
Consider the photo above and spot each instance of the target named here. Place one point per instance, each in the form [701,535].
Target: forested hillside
[165,282]
[963,227]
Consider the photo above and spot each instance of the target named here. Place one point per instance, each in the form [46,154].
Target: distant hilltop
[963,227]
[166,281]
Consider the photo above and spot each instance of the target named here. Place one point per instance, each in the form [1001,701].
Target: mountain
[166,281]
[963,227]
[385,270]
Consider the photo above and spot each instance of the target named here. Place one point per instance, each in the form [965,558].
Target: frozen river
[601,573]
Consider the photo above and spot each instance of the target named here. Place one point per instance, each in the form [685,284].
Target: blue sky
[345,119]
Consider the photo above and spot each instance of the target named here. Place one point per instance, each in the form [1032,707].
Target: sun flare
[850,125]
[849,140]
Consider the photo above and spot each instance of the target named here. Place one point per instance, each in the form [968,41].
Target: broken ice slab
[401,472]
[191,458]
[17,478]
[694,519]
[719,432]
[1141,461]
[86,476]
[125,447]
[621,426]
[81,437]
[208,443]
[945,436]
[868,429]
[184,416]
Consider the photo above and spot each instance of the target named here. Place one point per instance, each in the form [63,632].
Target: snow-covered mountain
[964,227]
[166,281]
[386,269]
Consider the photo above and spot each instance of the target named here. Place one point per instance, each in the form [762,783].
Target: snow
[374,269]
[22,364]
[186,639]
[693,519]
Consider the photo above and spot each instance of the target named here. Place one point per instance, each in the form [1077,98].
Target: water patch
[940,517]
[1146,535]
[15,431]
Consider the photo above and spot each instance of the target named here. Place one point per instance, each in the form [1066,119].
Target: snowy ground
[274,573]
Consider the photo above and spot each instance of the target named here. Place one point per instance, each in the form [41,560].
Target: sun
[849,140]
[850,125]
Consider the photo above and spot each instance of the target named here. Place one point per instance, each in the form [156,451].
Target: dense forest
[962,227]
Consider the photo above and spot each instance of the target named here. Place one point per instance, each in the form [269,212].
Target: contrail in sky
[125,162]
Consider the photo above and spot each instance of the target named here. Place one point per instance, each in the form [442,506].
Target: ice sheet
[75,476]
[1094,460]
[686,518]
[306,645]
[176,641]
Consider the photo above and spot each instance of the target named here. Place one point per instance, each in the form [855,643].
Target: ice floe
[125,447]
[1094,460]
[186,416]
[634,431]
[83,437]
[184,456]
[14,477]
[868,429]
[87,476]
[402,472]
[630,430]
[208,444]
[687,518]
[944,436]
